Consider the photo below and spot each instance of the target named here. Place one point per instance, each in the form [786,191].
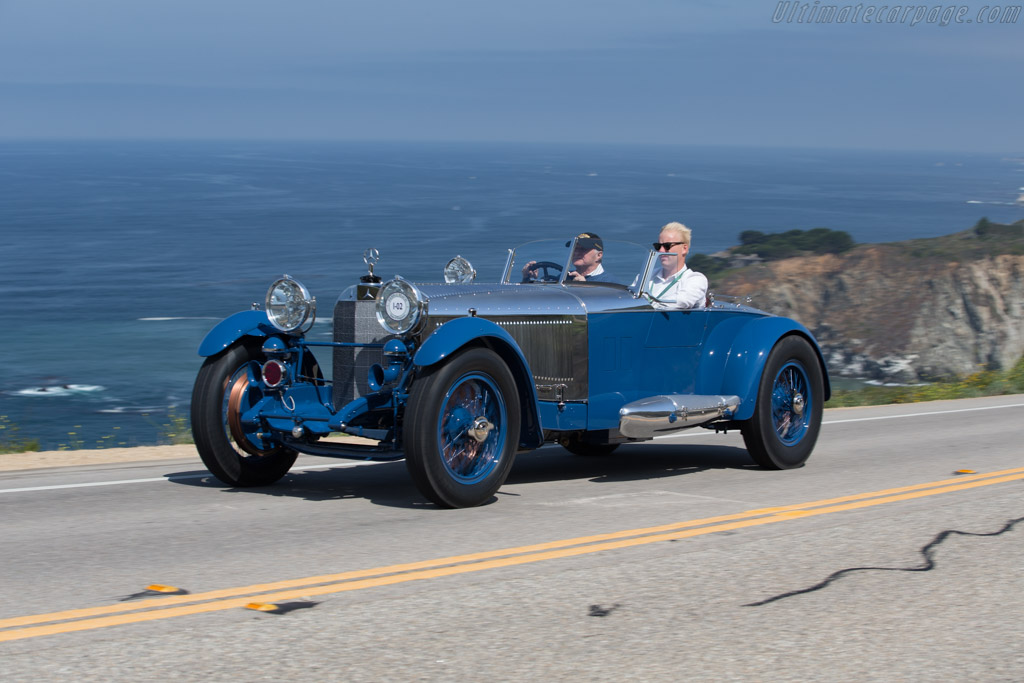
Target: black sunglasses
[667,245]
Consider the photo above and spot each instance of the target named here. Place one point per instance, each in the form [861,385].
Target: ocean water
[118,257]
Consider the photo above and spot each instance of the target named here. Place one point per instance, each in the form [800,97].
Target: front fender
[460,332]
[455,334]
[234,327]
[746,350]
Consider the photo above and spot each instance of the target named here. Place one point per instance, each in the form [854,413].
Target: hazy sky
[654,71]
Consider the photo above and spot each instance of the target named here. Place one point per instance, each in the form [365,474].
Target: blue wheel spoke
[791,401]
[472,398]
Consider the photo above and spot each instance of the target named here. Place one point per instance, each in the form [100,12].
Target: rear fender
[465,332]
[741,348]
[231,329]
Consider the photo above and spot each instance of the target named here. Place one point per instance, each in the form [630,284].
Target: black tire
[577,446]
[450,466]
[236,455]
[787,417]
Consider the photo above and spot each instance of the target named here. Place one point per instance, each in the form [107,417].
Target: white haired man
[675,285]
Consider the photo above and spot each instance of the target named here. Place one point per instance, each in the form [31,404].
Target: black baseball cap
[588,240]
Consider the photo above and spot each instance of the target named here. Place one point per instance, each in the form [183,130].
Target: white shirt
[689,291]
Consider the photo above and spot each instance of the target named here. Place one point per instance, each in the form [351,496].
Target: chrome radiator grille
[354,322]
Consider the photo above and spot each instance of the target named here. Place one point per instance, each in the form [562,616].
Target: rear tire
[787,417]
[235,453]
[461,429]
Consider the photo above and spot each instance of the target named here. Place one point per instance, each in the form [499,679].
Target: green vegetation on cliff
[775,246]
[984,239]
[987,383]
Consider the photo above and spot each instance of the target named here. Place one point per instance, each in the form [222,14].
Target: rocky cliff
[901,312]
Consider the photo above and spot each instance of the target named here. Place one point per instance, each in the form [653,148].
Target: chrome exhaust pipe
[656,415]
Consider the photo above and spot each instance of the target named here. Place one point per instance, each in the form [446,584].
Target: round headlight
[289,305]
[399,306]
[459,270]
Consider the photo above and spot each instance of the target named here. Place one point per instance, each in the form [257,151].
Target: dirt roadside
[10,462]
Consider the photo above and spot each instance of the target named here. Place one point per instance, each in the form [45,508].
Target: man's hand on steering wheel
[532,271]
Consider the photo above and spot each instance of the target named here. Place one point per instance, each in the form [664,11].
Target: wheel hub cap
[798,404]
[480,429]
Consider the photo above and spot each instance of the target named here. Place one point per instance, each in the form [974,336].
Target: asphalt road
[672,560]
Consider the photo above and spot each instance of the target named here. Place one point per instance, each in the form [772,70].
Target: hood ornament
[371,256]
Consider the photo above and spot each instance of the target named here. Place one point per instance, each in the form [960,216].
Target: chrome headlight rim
[293,309]
[459,271]
[400,306]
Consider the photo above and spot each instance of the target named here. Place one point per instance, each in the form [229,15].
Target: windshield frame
[645,255]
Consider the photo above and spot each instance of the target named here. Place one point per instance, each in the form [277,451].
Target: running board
[655,415]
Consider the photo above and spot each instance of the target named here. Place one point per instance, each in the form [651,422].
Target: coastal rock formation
[881,312]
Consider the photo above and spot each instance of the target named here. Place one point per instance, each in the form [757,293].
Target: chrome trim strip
[655,415]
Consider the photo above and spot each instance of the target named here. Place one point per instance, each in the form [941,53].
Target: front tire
[787,417]
[234,452]
[461,429]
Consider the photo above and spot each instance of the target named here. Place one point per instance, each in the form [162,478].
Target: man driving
[586,261]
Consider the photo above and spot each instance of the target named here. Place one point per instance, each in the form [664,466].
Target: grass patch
[175,431]
[987,383]
[11,441]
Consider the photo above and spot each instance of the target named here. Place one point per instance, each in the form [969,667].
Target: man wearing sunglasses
[675,285]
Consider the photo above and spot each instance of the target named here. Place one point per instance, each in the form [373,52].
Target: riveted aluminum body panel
[548,321]
[548,324]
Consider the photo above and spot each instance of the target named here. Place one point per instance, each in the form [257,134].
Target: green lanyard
[672,284]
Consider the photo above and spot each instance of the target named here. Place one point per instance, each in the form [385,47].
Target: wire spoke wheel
[787,418]
[790,397]
[462,428]
[470,433]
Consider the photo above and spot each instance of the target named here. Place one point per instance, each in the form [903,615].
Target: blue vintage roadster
[459,376]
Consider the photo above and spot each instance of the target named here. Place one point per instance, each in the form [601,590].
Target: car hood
[500,300]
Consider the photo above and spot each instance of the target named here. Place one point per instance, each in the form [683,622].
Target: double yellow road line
[18,628]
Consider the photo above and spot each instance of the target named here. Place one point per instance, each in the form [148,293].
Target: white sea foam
[183,317]
[60,390]
[132,410]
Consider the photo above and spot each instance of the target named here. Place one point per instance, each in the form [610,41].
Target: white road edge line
[54,487]
[934,412]
[331,466]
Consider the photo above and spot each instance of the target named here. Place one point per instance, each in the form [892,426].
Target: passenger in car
[675,285]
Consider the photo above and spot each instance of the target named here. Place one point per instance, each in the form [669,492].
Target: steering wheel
[549,271]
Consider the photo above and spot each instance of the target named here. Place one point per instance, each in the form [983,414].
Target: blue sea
[118,257]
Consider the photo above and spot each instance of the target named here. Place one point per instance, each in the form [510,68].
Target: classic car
[458,376]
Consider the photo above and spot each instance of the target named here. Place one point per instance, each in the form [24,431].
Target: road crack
[927,552]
